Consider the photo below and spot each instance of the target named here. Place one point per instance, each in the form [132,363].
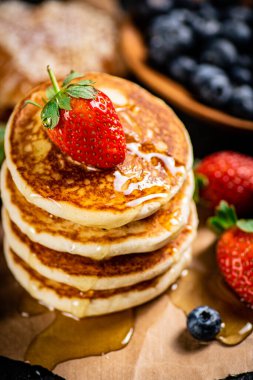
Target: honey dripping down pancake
[159,155]
[92,302]
[84,273]
[60,234]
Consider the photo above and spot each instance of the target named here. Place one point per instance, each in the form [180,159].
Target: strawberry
[235,250]
[83,122]
[227,176]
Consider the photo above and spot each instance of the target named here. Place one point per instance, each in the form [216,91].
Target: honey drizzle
[202,284]
[68,338]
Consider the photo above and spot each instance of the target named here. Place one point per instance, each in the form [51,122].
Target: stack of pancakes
[89,241]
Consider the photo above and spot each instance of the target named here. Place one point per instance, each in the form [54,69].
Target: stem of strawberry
[53,80]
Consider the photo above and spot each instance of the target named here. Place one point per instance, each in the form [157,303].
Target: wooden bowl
[135,53]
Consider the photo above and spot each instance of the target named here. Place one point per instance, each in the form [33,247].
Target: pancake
[84,273]
[62,235]
[90,303]
[159,155]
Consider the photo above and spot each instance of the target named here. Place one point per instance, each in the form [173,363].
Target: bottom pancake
[90,303]
[84,273]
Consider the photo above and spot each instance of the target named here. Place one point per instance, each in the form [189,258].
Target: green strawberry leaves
[50,114]
[201,181]
[245,225]
[85,82]
[72,75]
[64,102]
[82,91]
[50,93]
[60,98]
[33,103]
[225,218]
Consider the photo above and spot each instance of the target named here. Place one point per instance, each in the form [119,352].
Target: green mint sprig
[60,97]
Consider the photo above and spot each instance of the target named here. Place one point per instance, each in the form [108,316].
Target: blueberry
[204,323]
[221,53]
[206,28]
[240,13]
[241,75]
[157,51]
[172,37]
[184,16]
[242,102]
[143,11]
[237,32]
[182,68]
[202,25]
[211,85]
[205,72]
[208,11]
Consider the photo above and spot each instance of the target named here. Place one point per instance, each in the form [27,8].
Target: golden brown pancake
[92,302]
[85,273]
[62,235]
[159,155]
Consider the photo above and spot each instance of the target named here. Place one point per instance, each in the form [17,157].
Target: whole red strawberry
[229,177]
[235,251]
[83,123]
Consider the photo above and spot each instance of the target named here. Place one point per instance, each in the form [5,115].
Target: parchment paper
[160,347]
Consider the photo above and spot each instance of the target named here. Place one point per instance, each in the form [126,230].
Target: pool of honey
[69,338]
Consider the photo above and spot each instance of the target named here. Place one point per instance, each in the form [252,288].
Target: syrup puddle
[68,338]
[202,284]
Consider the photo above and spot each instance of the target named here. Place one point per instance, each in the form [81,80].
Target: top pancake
[159,154]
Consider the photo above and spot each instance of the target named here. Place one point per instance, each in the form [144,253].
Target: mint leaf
[64,101]
[85,92]
[50,92]
[245,225]
[33,103]
[50,114]
[72,75]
